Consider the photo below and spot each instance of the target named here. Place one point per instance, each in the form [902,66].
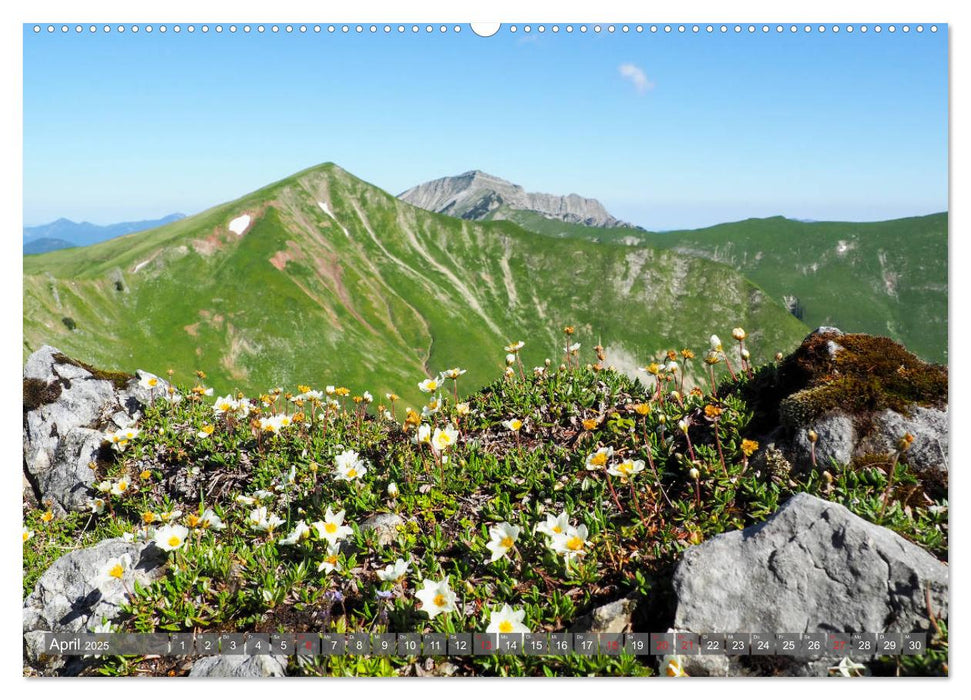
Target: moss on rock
[118,379]
[856,373]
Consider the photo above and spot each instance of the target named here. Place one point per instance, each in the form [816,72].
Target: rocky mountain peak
[477,195]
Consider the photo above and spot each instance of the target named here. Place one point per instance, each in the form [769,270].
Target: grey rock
[841,439]
[385,526]
[242,666]
[69,484]
[80,402]
[73,595]
[836,441]
[929,426]
[61,435]
[475,194]
[811,567]
[614,617]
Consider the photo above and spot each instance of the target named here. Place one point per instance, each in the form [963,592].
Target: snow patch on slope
[240,224]
[323,205]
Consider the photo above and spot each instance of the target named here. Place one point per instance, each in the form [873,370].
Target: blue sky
[699,129]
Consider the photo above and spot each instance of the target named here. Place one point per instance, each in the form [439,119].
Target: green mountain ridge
[882,278]
[373,293]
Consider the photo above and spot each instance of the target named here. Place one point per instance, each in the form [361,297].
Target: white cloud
[636,76]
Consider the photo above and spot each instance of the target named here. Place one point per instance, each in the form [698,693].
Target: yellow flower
[145,474]
[589,423]
[47,517]
[687,354]
[712,411]
[149,517]
[653,368]
[749,447]
[642,409]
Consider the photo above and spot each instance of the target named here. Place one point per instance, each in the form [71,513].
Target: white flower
[502,538]
[149,381]
[510,359]
[170,537]
[507,621]
[114,570]
[206,431]
[120,487]
[329,562]
[684,424]
[436,597]
[349,466]
[431,408]
[96,505]
[332,527]
[367,397]
[513,424]
[453,373]
[671,666]
[392,490]
[739,334]
[428,385]
[671,366]
[847,667]
[555,524]
[626,468]
[245,500]
[424,434]
[570,543]
[572,348]
[274,423]
[225,404]
[716,343]
[28,534]
[443,439]
[260,519]
[515,347]
[462,408]
[264,495]
[300,533]
[393,572]
[209,520]
[170,515]
[510,372]
[599,459]
[746,354]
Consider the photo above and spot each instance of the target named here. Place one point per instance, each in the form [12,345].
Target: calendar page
[449,349]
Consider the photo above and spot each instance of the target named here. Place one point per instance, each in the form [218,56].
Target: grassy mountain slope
[374,296]
[884,278]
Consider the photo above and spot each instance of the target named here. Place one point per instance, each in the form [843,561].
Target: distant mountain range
[322,278]
[478,196]
[65,233]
